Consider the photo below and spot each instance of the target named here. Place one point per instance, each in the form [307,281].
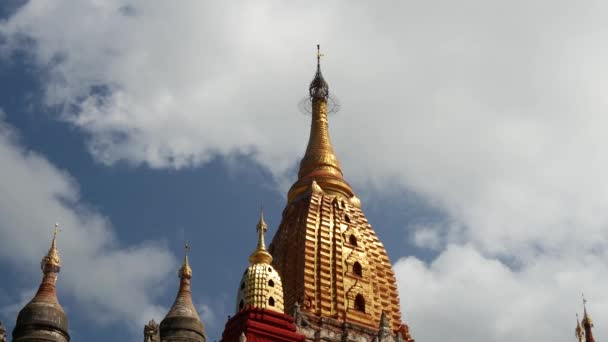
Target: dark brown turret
[587,324]
[43,318]
[183,323]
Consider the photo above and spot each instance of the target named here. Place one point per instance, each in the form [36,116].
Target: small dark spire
[587,323]
[2,333]
[318,87]
[579,332]
[384,328]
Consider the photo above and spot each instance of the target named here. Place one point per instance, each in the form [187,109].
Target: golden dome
[261,285]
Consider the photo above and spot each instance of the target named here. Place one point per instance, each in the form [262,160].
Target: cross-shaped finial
[187,248]
[319,54]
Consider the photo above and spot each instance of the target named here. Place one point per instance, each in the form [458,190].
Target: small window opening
[271,283]
[357,269]
[360,303]
[346,218]
[352,240]
[242,285]
[241,304]
[271,301]
[269,269]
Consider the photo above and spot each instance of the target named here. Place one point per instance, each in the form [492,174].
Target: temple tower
[259,305]
[43,318]
[182,322]
[334,268]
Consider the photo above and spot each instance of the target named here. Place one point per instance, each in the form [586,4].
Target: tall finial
[185,270]
[51,262]
[261,255]
[320,161]
[319,55]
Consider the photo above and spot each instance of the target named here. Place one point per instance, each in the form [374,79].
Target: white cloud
[426,236]
[494,112]
[465,296]
[107,281]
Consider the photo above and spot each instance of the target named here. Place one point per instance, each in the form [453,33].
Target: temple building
[325,277]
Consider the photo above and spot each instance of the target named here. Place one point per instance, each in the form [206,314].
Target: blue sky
[471,133]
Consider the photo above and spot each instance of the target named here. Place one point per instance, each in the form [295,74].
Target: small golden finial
[185,270]
[52,262]
[261,255]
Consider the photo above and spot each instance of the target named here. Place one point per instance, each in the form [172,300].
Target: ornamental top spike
[261,255]
[320,161]
[186,270]
[51,262]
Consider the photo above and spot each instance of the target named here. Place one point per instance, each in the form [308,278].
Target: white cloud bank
[105,280]
[494,111]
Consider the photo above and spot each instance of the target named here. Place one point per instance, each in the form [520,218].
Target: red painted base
[261,325]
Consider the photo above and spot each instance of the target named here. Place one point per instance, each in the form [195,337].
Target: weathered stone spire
[587,323]
[151,333]
[579,332]
[43,317]
[183,323]
[320,162]
[2,332]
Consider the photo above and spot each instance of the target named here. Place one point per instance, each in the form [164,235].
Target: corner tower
[43,318]
[182,322]
[259,310]
[336,272]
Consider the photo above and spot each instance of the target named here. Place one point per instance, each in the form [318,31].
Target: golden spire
[320,162]
[261,285]
[185,271]
[52,262]
[261,255]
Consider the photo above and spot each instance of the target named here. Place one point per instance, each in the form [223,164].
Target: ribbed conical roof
[182,322]
[43,318]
